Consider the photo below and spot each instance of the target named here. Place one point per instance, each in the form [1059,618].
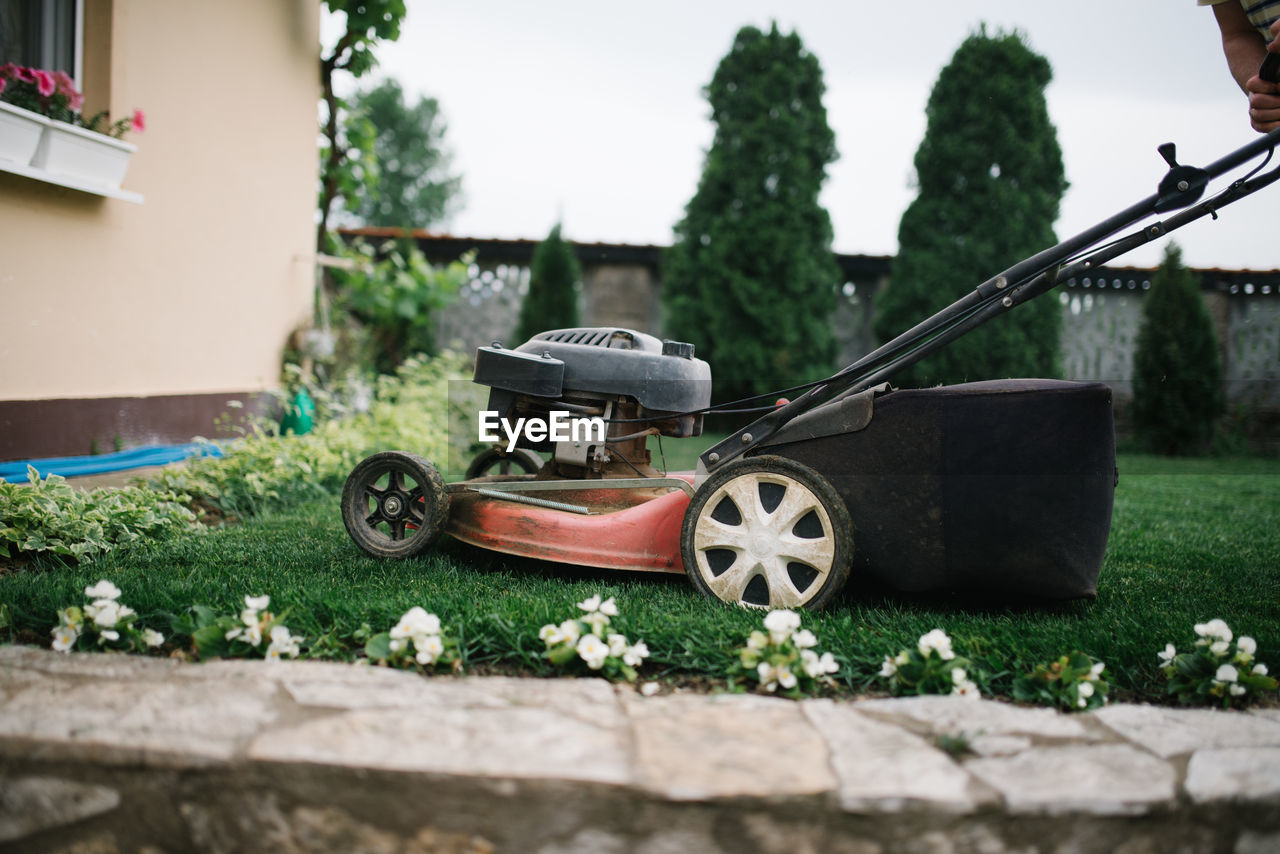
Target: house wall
[193,293]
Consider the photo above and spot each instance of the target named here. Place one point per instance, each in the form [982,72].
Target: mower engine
[627,385]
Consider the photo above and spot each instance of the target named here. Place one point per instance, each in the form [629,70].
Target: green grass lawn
[1191,540]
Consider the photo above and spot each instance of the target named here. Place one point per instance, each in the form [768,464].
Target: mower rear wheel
[768,532]
[500,461]
[394,504]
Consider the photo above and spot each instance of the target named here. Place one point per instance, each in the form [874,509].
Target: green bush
[51,517]
[411,411]
[552,301]
[1177,378]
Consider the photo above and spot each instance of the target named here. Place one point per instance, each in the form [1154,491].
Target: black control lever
[1270,70]
[1181,185]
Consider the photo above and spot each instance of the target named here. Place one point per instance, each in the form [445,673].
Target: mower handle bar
[1181,187]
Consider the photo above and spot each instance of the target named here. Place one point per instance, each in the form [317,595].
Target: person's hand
[1264,104]
[1264,97]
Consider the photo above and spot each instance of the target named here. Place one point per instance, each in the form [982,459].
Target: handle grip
[1270,70]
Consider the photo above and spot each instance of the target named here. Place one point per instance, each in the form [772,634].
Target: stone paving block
[32,804]
[1234,774]
[464,736]
[1171,732]
[690,747]
[884,768]
[954,715]
[19,663]
[1098,779]
[174,723]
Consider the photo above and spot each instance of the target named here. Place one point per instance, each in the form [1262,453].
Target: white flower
[253,634]
[757,640]
[1084,689]
[635,654]
[152,638]
[397,644]
[593,651]
[1095,672]
[104,612]
[1260,669]
[64,638]
[805,639]
[1219,648]
[416,621]
[108,635]
[608,607]
[74,621]
[1168,654]
[1245,648]
[570,631]
[1226,673]
[648,689]
[430,648]
[282,643]
[617,644]
[234,633]
[257,603]
[550,634]
[781,624]
[1212,630]
[1236,690]
[767,675]
[936,641]
[967,689]
[889,667]
[958,676]
[817,666]
[249,617]
[786,678]
[102,590]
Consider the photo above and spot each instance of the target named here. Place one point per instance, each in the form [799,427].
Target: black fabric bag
[1004,486]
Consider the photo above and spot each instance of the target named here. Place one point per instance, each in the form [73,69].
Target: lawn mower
[1004,486]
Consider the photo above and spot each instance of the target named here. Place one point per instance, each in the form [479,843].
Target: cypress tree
[990,179]
[750,277]
[1177,377]
[552,301]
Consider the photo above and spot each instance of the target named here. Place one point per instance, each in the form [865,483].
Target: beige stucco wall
[196,289]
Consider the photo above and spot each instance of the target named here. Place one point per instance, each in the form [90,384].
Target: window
[42,34]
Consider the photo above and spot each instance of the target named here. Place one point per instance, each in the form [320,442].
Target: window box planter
[71,152]
[20,132]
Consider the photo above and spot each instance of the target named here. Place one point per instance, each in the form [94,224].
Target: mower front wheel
[394,504]
[768,532]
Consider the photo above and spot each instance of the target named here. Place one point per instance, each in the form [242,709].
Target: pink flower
[139,122]
[45,84]
[67,89]
[23,74]
[3,83]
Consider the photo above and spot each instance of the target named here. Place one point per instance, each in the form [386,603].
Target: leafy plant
[102,623]
[587,641]
[393,291]
[1074,682]
[783,657]
[417,640]
[254,633]
[50,517]
[54,94]
[931,668]
[1211,672]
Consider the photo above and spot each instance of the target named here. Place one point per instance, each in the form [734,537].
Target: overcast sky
[592,112]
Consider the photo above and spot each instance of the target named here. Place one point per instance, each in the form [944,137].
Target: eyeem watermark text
[559,426]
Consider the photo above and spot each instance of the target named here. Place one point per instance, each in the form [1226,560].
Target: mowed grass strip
[1191,540]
